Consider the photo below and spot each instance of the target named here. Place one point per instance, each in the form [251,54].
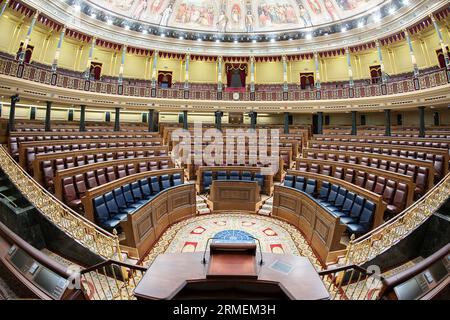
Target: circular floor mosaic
[192,234]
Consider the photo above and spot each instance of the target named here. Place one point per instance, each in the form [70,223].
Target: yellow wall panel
[301,66]
[175,66]
[7,27]
[203,71]
[134,66]
[269,72]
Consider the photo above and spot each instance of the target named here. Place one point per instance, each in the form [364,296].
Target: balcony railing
[141,88]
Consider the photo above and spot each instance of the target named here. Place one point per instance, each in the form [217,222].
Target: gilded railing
[391,232]
[76,226]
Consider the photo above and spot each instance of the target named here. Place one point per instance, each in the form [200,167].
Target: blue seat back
[348,202]
[136,190]
[259,178]
[221,175]
[100,210]
[357,207]
[111,204]
[127,194]
[234,175]
[324,190]
[120,199]
[154,182]
[246,176]
[165,181]
[366,217]
[340,197]
[207,179]
[333,193]
[145,187]
[289,181]
[310,186]
[300,183]
[177,179]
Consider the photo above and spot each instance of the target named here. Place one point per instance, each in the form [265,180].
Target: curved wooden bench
[268,179]
[37,162]
[359,155]
[407,180]
[369,195]
[61,174]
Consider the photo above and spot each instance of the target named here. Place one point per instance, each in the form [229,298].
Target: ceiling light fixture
[163,35]
[127,27]
[109,21]
[343,29]
[360,24]
[308,36]
[377,17]
[217,40]
[93,15]
[144,31]
[77,7]
[391,10]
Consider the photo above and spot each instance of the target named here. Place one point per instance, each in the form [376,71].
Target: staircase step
[267,207]
[264,212]
[201,205]
[204,211]
[269,201]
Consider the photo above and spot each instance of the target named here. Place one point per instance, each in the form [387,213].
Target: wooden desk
[170,273]
[232,195]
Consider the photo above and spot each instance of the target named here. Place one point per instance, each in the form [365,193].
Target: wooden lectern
[232,260]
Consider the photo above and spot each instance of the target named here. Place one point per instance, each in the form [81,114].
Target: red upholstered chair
[380,185]
[47,169]
[360,178]
[374,163]
[120,155]
[101,176]
[99,157]
[314,168]
[139,154]
[121,172]
[109,156]
[399,200]
[338,173]
[164,164]
[352,159]
[143,166]
[326,170]
[439,166]
[402,168]
[80,161]
[90,159]
[411,170]
[341,158]
[91,180]
[364,161]
[349,175]
[130,169]
[110,174]
[393,166]
[129,154]
[383,165]
[421,181]
[70,163]
[80,185]
[389,190]
[70,195]
[59,164]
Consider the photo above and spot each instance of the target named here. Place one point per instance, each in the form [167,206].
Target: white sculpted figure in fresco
[165,15]
[140,9]
[222,22]
[249,22]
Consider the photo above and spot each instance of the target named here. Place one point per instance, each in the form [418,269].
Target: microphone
[206,247]
[261,262]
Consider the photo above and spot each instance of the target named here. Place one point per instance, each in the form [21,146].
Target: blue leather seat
[365,219]
[165,181]
[121,202]
[259,178]
[346,207]
[102,215]
[146,190]
[154,182]
[300,183]
[310,186]
[177,179]
[289,181]
[331,196]
[324,190]
[129,198]
[113,208]
[339,201]
[221,175]
[234,175]
[137,194]
[207,180]
[246,176]
[355,211]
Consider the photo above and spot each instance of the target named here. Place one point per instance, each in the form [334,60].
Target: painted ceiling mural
[238,15]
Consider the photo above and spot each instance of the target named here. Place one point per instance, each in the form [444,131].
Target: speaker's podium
[232,271]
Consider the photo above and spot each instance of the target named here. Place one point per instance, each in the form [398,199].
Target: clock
[235,95]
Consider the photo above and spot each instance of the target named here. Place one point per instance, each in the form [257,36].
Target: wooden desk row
[397,177]
[268,179]
[71,172]
[360,155]
[37,162]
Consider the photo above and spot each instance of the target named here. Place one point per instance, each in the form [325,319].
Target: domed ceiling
[238,15]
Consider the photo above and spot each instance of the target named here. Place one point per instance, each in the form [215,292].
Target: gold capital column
[58,50]
[88,63]
[27,39]
[5,5]
[411,53]
[186,71]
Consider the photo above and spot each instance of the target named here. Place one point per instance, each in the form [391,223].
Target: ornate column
[27,39]
[411,53]
[121,68]
[5,5]
[422,122]
[380,57]
[87,71]
[387,122]
[350,73]
[186,76]
[285,77]
[317,81]
[48,111]
[117,119]
[82,118]
[185,119]
[12,112]
[252,78]
[57,54]
[219,77]
[253,116]
[319,122]
[218,119]
[151,114]
[443,46]
[354,123]
[155,62]
[286,122]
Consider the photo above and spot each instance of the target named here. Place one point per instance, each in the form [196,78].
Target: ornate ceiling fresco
[238,15]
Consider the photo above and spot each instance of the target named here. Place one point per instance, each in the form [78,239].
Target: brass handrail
[76,226]
[391,232]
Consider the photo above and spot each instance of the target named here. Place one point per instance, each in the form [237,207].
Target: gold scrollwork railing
[76,226]
[391,232]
